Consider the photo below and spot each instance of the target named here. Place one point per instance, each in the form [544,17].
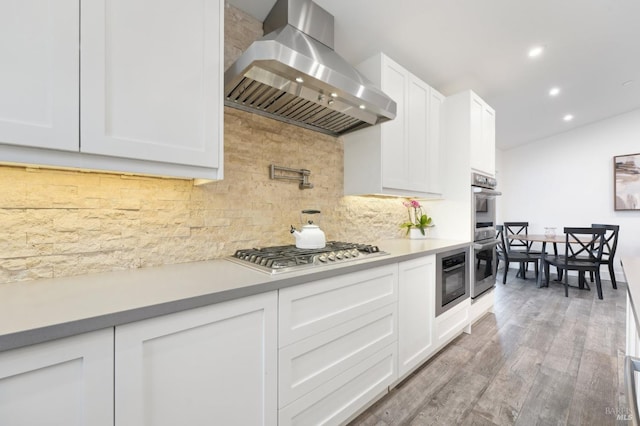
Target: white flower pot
[415,234]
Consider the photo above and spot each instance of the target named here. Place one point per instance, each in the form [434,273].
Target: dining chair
[508,256]
[583,253]
[518,228]
[609,249]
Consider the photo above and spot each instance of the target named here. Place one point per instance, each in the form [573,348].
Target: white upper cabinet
[39,75]
[151,75]
[144,87]
[402,156]
[474,122]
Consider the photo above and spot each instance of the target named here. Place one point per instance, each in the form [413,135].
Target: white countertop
[37,311]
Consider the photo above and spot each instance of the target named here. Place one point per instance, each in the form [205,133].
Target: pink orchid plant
[417,217]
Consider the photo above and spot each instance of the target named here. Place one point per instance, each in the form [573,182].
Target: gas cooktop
[289,258]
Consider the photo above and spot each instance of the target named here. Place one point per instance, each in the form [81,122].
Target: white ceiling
[591,48]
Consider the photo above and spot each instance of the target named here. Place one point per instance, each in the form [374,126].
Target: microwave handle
[453,268]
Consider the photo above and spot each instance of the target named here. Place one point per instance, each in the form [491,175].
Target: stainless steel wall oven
[483,251]
[452,278]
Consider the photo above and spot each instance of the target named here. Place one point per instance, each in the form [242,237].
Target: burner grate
[289,257]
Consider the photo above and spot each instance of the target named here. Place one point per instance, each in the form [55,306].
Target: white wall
[567,180]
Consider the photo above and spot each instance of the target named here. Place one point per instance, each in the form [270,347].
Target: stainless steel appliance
[275,260]
[483,250]
[452,279]
[293,74]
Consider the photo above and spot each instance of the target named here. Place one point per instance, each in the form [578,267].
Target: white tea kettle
[311,236]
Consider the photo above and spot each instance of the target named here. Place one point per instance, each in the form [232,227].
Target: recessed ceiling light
[362,107]
[554,91]
[568,117]
[299,80]
[535,51]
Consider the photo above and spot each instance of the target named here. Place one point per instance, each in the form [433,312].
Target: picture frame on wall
[626,182]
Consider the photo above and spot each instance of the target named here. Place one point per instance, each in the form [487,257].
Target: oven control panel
[483,181]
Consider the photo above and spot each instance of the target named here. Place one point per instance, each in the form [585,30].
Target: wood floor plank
[566,350]
[406,399]
[541,358]
[504,397]
[453,402]
[594,400]
[548,400]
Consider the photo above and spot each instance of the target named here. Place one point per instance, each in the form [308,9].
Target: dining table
[544,239]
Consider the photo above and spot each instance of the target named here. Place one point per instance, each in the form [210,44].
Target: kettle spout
[295,232]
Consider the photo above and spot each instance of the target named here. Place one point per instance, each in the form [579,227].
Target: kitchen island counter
[631,268]
[42,310]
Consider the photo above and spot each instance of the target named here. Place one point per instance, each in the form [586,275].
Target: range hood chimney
[293,74]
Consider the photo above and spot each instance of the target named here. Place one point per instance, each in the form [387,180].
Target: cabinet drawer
[337,400]
[311,308]
[453,321]
[305,365]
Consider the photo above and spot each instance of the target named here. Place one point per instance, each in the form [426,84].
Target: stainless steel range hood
[293,74]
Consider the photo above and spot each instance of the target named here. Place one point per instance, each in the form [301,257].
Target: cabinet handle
[453,268]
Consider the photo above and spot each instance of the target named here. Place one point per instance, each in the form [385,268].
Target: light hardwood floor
[540,359]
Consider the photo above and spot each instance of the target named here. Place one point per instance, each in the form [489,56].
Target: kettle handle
[310,211]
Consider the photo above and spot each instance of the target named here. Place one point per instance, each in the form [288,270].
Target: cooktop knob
[322,258]
[331,256]
[355,253]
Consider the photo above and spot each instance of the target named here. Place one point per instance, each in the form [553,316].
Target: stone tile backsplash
[60,223]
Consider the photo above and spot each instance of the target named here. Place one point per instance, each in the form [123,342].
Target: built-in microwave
[452,278]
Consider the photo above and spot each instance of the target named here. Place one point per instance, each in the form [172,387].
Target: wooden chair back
[610,240]
[501,247]
[517,228]
[584,244]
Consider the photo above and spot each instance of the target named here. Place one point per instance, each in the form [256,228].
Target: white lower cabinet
[632,347]
[63,382]
[337,400]
[452,322]
[211,365]
[416,313]
[338,345]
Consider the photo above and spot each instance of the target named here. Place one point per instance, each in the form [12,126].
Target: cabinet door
[434,141]
[39,75]
[210,365]
[476,139]
[489,139]
[417,135]
[63,382]
[395,172]
[416,312]
[151,80]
